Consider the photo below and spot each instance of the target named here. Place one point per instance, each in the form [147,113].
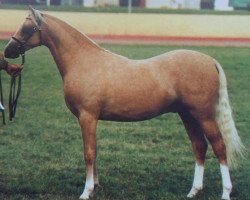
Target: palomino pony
[100,85]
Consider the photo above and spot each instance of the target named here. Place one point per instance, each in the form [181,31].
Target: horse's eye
[25,30]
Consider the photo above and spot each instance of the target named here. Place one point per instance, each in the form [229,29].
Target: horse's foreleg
[199,145]
[88,125]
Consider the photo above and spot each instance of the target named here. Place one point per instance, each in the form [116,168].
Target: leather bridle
[23,42]
[16,90]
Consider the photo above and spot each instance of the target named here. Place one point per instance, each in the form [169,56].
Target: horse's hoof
[82,197]
[225,197]
[193,192]
[226,193]
[86,195]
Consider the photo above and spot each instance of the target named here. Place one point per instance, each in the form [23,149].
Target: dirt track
[181,41]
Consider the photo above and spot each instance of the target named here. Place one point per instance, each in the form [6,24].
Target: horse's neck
[67,44]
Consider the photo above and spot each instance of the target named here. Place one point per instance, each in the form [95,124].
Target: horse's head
[27,36]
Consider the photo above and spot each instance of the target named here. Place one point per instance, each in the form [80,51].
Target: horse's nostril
[11,52]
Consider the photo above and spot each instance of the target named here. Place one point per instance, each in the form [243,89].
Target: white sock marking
[89,186]
[226,182]
[198,180]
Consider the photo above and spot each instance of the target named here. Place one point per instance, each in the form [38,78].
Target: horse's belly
[137,111]
[128,117]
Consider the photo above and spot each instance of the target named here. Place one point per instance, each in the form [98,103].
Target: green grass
[115,9]
[41,152]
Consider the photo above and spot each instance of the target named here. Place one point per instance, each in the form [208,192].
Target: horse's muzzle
[12,50]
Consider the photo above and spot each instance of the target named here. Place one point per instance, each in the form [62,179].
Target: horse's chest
[79,97]
[70,96]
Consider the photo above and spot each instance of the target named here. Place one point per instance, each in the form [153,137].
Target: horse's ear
[37,15]
[31,8]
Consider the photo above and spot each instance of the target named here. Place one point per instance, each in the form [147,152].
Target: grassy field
[41,152]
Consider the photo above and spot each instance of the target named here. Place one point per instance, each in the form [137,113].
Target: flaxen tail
[226,123]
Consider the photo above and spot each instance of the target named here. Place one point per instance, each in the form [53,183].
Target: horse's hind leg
[212,133]
[199,145]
